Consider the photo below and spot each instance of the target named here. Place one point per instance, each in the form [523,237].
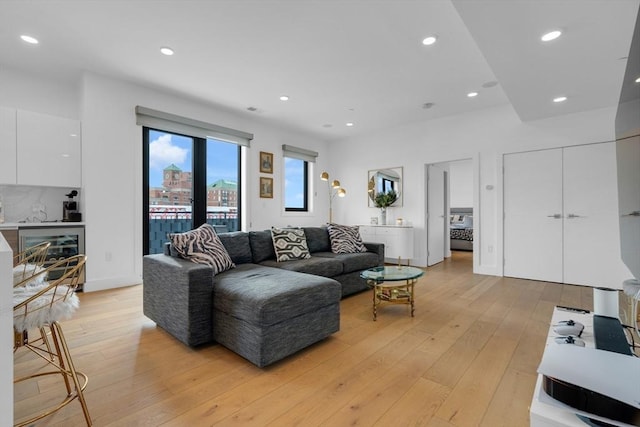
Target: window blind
[183,125]
[299,153]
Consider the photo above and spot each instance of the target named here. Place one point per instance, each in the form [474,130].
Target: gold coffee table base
[392,285]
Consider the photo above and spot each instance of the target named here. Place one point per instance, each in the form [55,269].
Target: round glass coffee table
[392,285]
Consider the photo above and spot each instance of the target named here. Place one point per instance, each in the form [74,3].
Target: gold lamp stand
[334,190]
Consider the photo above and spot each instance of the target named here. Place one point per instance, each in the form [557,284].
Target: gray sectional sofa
[262,309]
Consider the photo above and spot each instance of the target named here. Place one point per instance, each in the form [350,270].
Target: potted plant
[383,200]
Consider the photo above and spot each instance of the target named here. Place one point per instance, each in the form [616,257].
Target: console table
[397,239]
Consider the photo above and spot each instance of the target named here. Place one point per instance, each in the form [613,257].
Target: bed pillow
[345,239]
[202,246]
[289,244]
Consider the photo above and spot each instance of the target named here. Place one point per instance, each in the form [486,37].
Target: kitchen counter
[16,225]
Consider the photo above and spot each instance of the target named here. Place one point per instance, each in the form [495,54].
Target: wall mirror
[383,180]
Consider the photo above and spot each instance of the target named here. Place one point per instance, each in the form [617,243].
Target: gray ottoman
[265,314]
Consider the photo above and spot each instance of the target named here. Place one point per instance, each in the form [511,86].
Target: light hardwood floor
[467,358]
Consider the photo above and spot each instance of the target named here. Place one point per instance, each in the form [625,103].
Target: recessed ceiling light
[560,99]
[349,124]
[429,40]
[638,80]
[284,98]
[166,51]
[551,35]
[472,94]
[29,39]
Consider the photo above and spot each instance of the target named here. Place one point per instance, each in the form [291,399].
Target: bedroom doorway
[449,187]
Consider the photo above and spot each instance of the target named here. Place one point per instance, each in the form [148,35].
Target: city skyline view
[166,149]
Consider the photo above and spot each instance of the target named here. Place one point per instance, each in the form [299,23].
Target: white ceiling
[357,61]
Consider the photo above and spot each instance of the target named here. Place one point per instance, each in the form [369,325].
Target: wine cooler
[65,242]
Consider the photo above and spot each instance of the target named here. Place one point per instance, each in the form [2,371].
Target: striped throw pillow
[202,246]
[345,239]
[290,244]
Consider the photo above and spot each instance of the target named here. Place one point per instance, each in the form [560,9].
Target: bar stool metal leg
[62,363]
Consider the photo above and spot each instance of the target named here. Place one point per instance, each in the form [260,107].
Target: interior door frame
[476,212]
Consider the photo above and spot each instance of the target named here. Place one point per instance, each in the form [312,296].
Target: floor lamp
[334,190]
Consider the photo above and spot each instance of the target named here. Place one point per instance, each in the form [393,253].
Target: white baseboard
[488,270]
[110,283]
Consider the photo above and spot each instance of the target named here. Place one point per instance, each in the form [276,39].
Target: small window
[296,185]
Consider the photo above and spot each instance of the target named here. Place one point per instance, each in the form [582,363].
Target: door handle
[574,216]
[555,216]
[634,213]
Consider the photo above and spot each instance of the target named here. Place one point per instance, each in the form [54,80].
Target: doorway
[449,187]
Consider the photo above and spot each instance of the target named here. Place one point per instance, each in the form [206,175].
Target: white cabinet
[561,216]
[7,145]
[48,150]
[398,240]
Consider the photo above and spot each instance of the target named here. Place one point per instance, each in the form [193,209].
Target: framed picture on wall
[266,162]
[266,187]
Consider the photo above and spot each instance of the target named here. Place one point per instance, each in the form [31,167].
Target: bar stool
[29,262]
[40,306]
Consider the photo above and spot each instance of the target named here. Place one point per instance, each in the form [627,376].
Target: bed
[461,229]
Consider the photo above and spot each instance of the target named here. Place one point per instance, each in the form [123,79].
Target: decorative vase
[383,216]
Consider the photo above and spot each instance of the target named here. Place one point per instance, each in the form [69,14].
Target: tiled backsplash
[34,204]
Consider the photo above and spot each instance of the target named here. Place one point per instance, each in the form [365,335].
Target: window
[296,188]
[180,168]
[296,177]
[183,164]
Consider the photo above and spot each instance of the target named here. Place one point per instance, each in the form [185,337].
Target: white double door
[561,216]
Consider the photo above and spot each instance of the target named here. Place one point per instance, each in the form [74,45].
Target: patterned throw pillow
[345,239]
[289,244]
[202,246]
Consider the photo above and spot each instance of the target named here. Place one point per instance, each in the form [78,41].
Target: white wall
[31,92]
[112,159]
[111,194]
[482,136]
[112,174]
[461,184]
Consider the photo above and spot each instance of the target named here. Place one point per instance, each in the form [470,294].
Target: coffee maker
[70,211]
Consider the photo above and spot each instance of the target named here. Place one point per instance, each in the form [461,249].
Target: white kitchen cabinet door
[591,233]
[7,145]
[533,215]
[48,150]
